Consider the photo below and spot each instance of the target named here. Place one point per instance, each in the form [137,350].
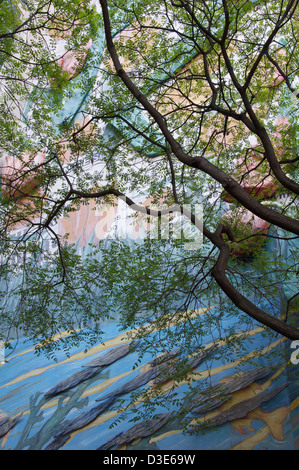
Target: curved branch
[228,183]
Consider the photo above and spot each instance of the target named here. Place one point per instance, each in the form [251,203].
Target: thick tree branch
[292,5]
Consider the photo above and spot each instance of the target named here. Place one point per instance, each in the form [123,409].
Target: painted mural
[76,401]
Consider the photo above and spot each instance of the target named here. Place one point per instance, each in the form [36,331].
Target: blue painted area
[15,398]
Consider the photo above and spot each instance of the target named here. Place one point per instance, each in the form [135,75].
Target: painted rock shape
[239,410]
[214,396]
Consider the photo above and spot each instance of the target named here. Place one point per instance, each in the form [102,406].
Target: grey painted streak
[214,395]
